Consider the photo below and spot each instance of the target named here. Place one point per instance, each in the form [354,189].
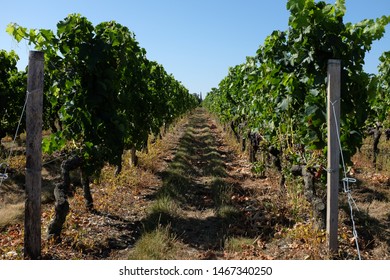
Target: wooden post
[334,73]
[32,220]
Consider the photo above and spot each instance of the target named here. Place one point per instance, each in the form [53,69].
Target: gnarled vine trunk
[376,133]
[318,205]
[133,157]
[61,193]
[255,139]
[277,155]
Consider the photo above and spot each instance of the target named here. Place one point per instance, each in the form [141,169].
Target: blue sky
[195,40]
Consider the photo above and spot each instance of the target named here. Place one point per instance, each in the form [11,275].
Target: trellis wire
[346,180]
[4,176]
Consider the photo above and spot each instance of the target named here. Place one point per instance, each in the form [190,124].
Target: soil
[255,209]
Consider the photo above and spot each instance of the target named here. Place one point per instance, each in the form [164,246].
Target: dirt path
[195,180]
[207,195]
[199,180]
[193,189]
[194,196]
[222,210]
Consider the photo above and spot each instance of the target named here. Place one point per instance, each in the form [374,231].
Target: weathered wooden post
[32,220]
[333,120]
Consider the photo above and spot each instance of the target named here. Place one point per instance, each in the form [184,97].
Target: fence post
[32,219]
[333,120]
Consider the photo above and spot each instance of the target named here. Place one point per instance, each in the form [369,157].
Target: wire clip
[349,180]
[3,176]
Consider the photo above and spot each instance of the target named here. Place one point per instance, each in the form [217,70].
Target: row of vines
[102,96]
[277,98]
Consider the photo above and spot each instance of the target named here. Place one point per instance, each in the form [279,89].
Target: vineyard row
[102,96]
[277,99]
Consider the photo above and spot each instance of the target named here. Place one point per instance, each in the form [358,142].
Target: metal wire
[346,180]
[4,175]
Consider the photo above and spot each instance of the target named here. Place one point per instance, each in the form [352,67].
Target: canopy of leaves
[380,100]
[101,92]
[281,92]
[12,93]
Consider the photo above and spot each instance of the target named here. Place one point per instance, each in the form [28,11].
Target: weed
[158,244]
[222,192]
[161,212]
[238,244]
[228,213]
[259,168]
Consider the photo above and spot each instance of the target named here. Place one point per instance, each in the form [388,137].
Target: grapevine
[102,95]
[280,93]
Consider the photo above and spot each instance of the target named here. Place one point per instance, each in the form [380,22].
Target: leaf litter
[258,222]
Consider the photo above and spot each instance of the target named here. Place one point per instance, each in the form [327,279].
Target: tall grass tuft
[158,244]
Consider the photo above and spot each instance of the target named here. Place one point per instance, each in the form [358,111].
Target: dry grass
[187,201]
[158,244]
[11,214]
[161,211]
[157,147]
[238,244]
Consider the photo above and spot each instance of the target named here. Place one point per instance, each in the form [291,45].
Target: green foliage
[281,92]
[12,93]
[380,99]
[101,92]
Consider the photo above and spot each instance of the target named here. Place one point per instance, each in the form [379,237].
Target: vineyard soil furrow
[205,190]
[195,195]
